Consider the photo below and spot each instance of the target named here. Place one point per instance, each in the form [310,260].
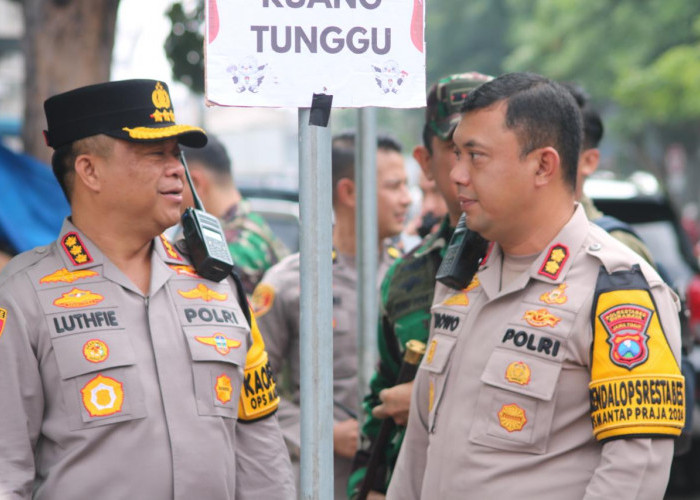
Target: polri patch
[220,342]
[541,317]
[103,396]
[263,298]
[75,249]
[204,293]
[512,417]
[78,298]
[95,350]
[66,276]
[518,372]
[553,264]
[627,326]
[556,296]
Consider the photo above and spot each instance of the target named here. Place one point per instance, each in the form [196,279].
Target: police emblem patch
[541,317]
[3,319]
[95,351]
[512,418]
[263,298]
[219,341]
[556,296]
[518,372]
[78,298]
[627,326]
[76,251]
[553,264]
[201,291]
[103,396]
[66,276]
[223,388]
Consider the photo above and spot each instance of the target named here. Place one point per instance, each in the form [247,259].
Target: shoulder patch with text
[636,387]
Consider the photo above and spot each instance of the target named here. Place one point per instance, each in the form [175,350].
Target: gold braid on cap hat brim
[146,133]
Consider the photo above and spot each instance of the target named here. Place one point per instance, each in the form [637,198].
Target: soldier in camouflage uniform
[253,245]
[276,302]
[407,289]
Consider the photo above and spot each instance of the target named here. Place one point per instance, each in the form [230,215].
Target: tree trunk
[67,44]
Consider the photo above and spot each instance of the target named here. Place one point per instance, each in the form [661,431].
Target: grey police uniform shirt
[501,408]
[276,300]
[107,393]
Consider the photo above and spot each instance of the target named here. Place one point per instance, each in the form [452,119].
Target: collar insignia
[169,248]
[184,270]
[556,296]
[222,344]
[67,276]
[75,249]
[558,255]
[78,298]
[541,317]
[204,293]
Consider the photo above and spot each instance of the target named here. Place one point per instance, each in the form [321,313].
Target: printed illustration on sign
[518,372]
[556,296]
[247,75]
[223,388]
[66,276]
[78,298]
[512,418]
[627,326]
[389,76]
[95,351]
[219,341]
[541,317]
[103,396]
[204,293]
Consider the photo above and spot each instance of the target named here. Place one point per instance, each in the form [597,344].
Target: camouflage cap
[445,100]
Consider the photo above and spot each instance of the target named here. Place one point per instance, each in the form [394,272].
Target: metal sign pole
[367,245]
[316,303]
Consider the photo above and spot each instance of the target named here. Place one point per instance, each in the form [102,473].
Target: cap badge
[161,100]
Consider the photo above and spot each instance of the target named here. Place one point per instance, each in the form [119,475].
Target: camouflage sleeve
[254,250]
[385,376]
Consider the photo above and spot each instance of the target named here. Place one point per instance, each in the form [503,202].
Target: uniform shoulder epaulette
[23,261]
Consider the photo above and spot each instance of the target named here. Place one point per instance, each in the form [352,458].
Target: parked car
[280,208]
[640,202]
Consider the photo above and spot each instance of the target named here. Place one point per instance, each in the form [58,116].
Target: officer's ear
[422,156]
[345,192]
[87,173]
[547,166]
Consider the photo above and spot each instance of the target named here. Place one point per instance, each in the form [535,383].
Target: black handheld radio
[204,238]
[462,257]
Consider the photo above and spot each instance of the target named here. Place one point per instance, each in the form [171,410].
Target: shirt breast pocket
[218,359]
[99,378]
[515,406]
[435,362]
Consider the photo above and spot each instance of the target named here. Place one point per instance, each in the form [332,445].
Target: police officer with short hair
[555,373]
[123,373]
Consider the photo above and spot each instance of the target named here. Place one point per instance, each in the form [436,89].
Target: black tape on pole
[320,110]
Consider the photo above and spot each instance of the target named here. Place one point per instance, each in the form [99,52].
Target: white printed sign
[278,53]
